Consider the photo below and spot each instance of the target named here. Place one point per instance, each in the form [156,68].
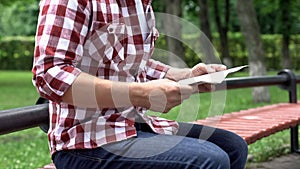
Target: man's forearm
[93,92]
[158,95]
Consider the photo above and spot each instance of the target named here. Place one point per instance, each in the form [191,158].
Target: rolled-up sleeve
[156,69]
[61,32]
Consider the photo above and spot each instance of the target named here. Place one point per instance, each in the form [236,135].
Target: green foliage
[238,51]
[269,16]
[16,53]
[18,18]
[8,2]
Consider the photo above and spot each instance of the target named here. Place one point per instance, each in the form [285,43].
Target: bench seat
[256,123]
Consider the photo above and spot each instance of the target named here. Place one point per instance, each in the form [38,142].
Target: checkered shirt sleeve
[61,33]
[156,70]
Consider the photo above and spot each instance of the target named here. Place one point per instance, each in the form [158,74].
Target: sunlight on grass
[25,149]
[270,147]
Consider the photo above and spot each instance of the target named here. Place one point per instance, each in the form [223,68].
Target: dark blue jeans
[194,146]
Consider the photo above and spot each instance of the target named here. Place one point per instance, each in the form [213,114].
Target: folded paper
[211,78]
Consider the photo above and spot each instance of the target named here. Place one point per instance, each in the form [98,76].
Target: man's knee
[219,160]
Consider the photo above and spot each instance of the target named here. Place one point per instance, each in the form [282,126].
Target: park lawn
[16,89]
[29,148]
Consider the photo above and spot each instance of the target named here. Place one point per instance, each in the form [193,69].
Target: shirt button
[110,30]
[41,83]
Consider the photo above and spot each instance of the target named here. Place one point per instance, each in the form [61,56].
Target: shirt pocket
[107,42]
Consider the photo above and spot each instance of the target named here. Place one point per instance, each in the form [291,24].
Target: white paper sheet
[211,78]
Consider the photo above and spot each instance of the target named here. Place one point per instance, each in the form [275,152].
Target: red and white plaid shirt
[110,39]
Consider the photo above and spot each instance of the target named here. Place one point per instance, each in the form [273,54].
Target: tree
[18,18]
[251,33]
[204,18]
[285,30]
[223,29]
[8,2]
[173,27]
[280,17]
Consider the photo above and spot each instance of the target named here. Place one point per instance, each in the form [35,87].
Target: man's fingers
[202,68]
[218,67]
[206,88]
[186,89]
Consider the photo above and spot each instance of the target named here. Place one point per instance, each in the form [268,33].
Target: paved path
[291,161]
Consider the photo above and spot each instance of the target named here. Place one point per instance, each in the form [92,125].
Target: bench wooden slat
[256,123]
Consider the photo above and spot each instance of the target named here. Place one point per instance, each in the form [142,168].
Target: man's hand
[201,69]
[160,95]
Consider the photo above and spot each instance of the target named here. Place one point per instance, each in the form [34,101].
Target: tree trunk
[285,31]
[208,53]
[172,27]
[204,19]
[256,58]
[223,29]
[286,60]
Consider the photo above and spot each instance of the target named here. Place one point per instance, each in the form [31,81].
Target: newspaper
[211,78]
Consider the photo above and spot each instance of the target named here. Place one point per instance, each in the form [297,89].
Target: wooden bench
[252,124]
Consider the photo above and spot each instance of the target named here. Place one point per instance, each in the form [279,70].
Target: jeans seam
[79,155]
[132,160]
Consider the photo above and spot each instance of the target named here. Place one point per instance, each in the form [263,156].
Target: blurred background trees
[219,19]
[18,18]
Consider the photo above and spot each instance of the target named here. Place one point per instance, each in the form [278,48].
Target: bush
[16,53]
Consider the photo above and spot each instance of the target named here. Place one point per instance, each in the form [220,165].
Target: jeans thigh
[231,143]
[147,150]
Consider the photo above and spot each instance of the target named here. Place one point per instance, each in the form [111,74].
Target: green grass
[16,89]
[24,150]
[29,148]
